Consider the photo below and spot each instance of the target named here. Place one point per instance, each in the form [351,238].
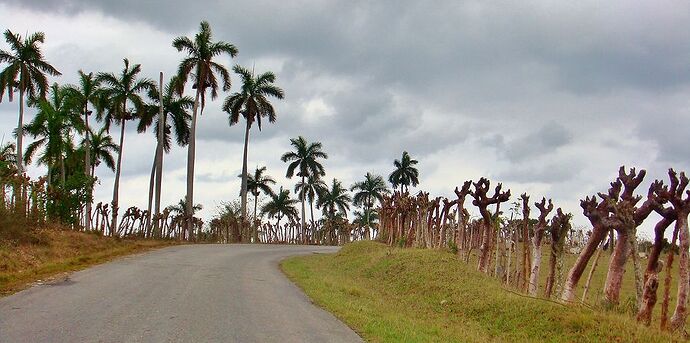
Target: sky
[549,98]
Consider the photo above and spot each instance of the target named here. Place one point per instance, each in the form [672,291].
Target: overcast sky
[549,99]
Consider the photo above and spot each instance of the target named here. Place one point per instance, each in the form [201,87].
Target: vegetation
[412,295]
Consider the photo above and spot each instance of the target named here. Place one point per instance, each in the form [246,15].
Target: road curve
[191,293]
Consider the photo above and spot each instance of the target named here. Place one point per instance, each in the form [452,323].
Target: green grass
[413,295]
[53,252]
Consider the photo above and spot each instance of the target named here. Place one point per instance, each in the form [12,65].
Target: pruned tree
[526,254]
[482,201]
[680,200]
[559,229]
[463,216]
[544,211]
[598,215]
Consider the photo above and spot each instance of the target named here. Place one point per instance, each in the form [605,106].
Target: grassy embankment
[42,254]
[413,295]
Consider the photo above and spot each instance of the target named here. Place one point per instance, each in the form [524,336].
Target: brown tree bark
[482,202]
[544,211]
[526,254]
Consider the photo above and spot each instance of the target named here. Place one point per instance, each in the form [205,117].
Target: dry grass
[42,254]
[412,295]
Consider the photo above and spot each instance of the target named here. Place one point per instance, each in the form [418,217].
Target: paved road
[193,293]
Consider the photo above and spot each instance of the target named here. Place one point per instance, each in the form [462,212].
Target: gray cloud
[548,98]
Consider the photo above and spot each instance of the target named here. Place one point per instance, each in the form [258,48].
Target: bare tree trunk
[243,191]
[578,268]
[303,209]
[152,180]
[116,187]
[667,281]
[20,131]
[614,277]
[636,268]
[191,154]
[87,164]
[680,314]
[536,264]
[159,157]
[651,277]
[589,276]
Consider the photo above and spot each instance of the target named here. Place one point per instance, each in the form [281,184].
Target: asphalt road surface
[192,293]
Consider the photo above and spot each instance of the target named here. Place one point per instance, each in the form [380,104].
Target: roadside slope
[50,252]
[411,295]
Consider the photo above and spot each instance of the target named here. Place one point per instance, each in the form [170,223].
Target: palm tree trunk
[244,174]
[303,210]
[368,235]
[87,168]
[116,187]
[20,133]
[152,180]
[311,213]
[159,157]
[190,162]
[255,231]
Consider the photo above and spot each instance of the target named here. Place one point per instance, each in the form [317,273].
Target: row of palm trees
[304,161]
[118,98]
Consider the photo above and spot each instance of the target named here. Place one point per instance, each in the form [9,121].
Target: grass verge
[53,252]
[414,295]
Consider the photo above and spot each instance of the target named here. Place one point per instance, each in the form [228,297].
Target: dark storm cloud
[531,92]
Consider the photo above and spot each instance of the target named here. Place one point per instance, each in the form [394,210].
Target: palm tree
[81,95]
[200,65]
[313,186]
[280,205]
[119,91]
[304,159]
[175,109]
[52,128]
[334,199]
[26,72]
[405,174]
[102,149]
[181,208]
[252,103]
[8,168]
[258,183]
[335,202]
[372,189]
[365,219]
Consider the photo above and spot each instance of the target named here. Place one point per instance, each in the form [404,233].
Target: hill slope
[412,295]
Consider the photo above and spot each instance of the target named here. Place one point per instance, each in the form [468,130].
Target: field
[48,253]
[414,295]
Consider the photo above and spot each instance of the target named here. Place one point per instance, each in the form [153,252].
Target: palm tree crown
[52,128]
[199,62]
[304,158]
[27,66]
[121,90]
[102,149]
[405,174]
[371,189]
[26,72]
[258,182]
[175,109]
[335,198]
[252,101]
[280,205]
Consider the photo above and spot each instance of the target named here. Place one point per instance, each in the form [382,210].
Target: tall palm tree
[119,92]
[81,95]
[279,206]
[26,72]
[200,65]
[52,128]
[304,159]
[8,168]
[252,104]
[368,191]
[102,149]
[405,174]
[175,110]
[310,189]
[334,199]
[258,183]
